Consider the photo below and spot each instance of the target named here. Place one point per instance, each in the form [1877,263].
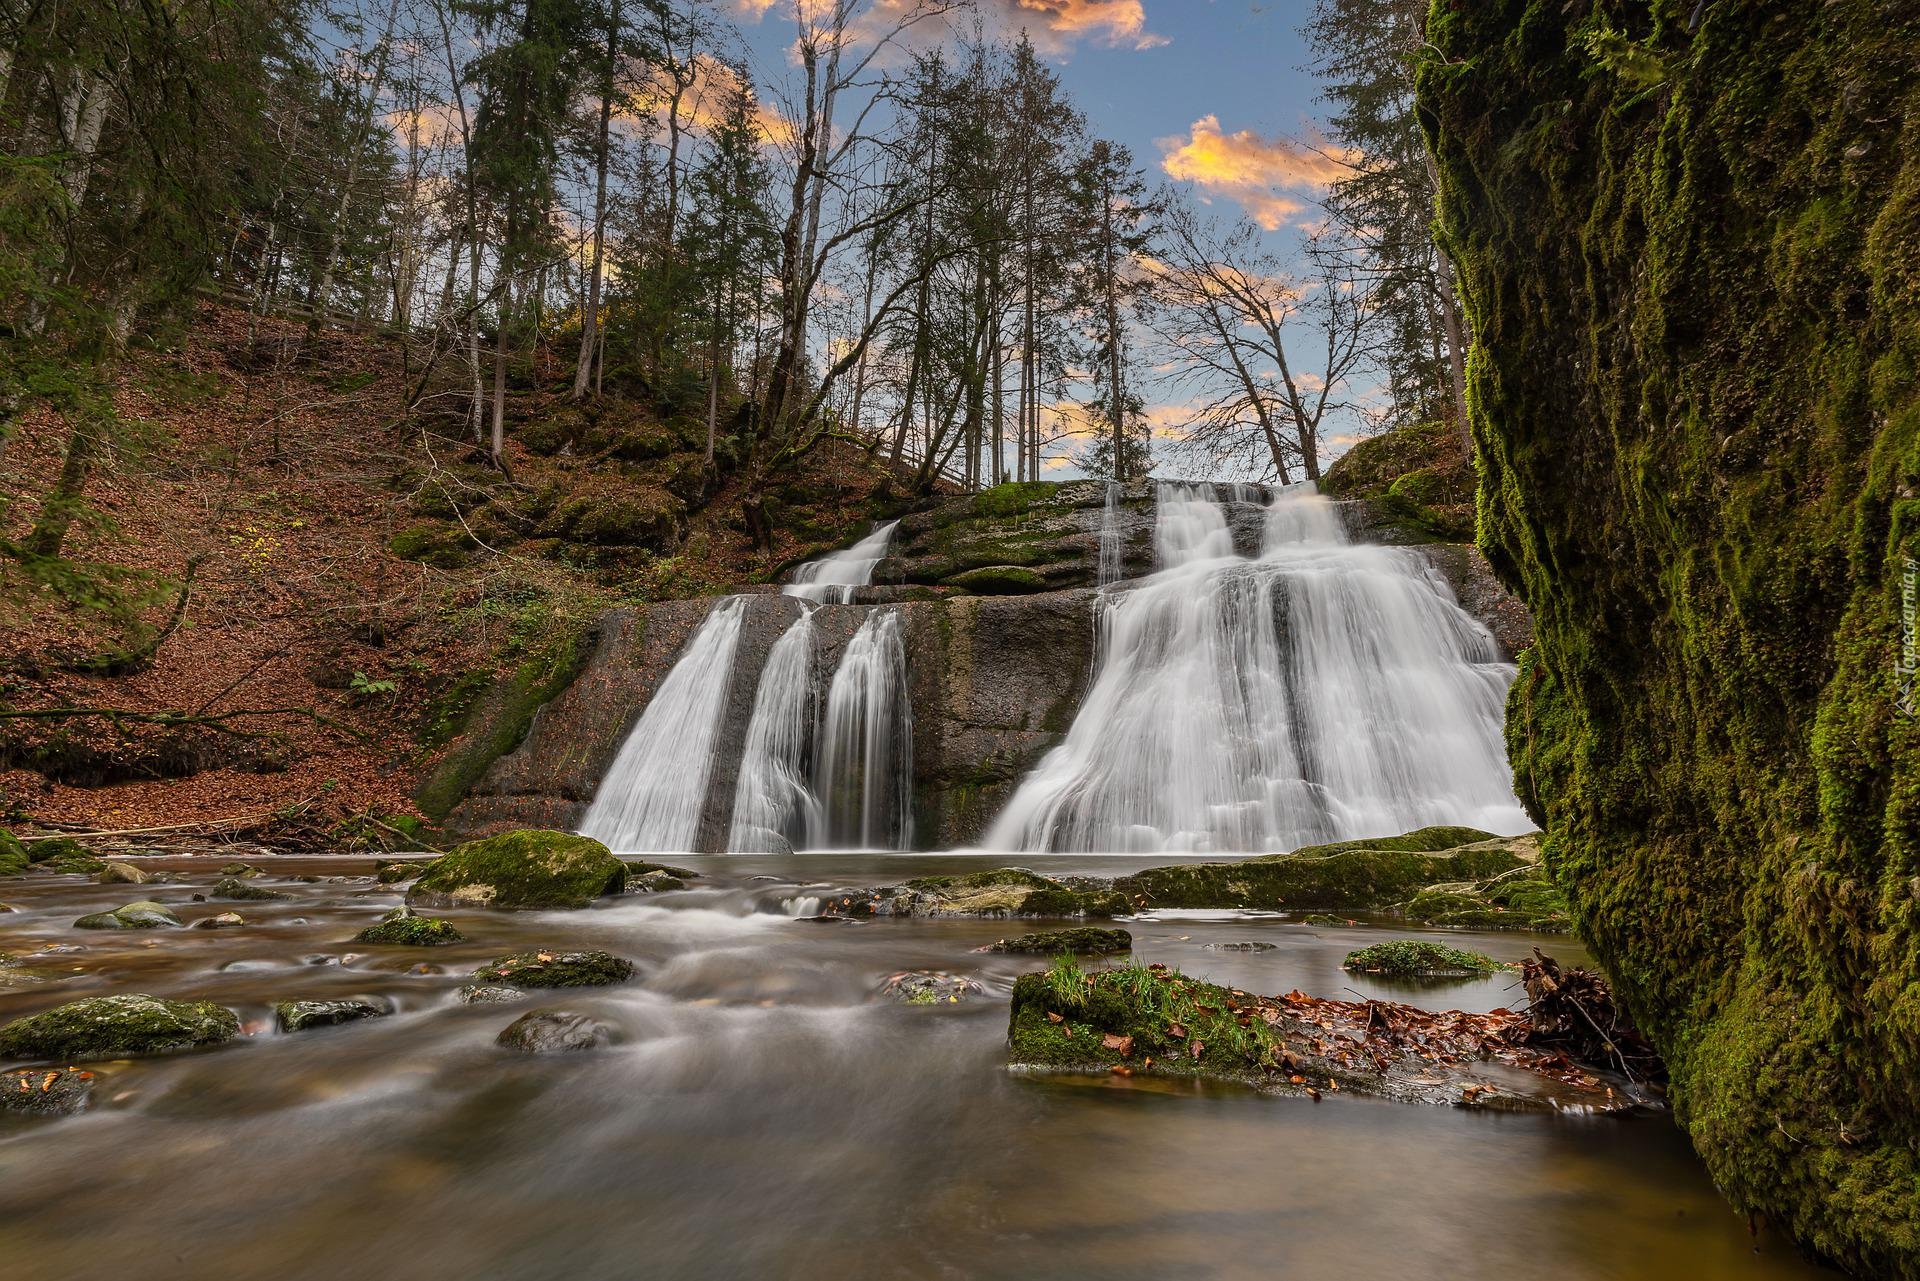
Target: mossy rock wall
[1688,237]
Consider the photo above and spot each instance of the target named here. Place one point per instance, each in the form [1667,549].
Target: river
[768,1116]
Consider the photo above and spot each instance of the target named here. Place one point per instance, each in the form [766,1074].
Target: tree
[1365,51]
[1118,221]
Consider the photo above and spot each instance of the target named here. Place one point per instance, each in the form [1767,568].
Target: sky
[1208,93]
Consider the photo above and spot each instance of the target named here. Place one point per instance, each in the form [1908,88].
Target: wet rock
[1002,892]
[75,865]
[1247,946]
[1324,918]
[555,969]
[46,1091]
[144,915]
[1083,940]
[395,873]
[122,874]
[112,1027]
[402,927]
[16,974]
[242,870]
[1352,875]
[1420,958]
[14,860]
[930,987]
[223,921]
[490,994]
[557,1032]
[1523,899]
[525,869]
[298,1016]
[655,882]
[235,889]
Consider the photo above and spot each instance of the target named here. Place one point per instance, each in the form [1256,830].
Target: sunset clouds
[1253,171]
[1117,22]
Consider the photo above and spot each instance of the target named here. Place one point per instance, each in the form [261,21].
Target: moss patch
[402,928]
[112,1027]
[554,969]
[1419,958]
[526,869]
[1086,940]
[1353,875]
[998,580]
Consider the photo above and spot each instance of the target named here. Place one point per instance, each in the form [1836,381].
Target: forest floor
[351,573]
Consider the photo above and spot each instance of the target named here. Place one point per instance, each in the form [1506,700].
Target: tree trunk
[590,314]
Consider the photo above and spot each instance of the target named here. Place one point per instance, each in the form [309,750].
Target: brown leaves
[1123,1045]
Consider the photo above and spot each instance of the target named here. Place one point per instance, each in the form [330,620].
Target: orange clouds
[1115,21]
[1249,169]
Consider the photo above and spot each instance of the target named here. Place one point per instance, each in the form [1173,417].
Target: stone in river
[556,1032]
[143,915]
[113,1027]
[232,887]
[403,928]
[45,1091]
[554,969]
[298,1016]
[1084,939]
[930,987]
[223,921]
[122,874]
[526,869]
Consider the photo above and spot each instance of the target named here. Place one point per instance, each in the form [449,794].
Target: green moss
[526,869]
[1419,958]
[1353,876]
[1159,1015]
[492,723]
[441,546]
[298,1016]
[1012,499]
[51,849]
[401,928]
[1689,242]
[1417,476]
[998,580]
[112,1027]
[144,915]
[1086,940]
[554,969]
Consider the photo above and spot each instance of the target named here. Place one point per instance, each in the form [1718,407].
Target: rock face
[144,915]
[113,1027]
[525,869]
[1687,238]
[298,1016]
[557,1032]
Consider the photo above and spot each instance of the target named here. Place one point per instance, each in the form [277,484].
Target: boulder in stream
[123,874]
[221,921]
[554,969]
[1086,940]
[298,1016]
[490,994]
[143,915]
[554,1031]
[13,855]
[235,889]
[404,928]
[1420,958]
[45,1091]
[930,987]
[113,1027]
[393,873]
[525,869]
[1001,892]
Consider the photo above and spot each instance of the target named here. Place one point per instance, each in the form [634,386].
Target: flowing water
[1110,562]
[773,806]
[834,577]
[1317,691]
[864,772]
[656,789]
[766,1115]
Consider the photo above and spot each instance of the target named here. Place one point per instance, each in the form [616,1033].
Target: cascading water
[656,788]
[1323,690]
[834,577]
[1110,536]
[773,808]
[863,767]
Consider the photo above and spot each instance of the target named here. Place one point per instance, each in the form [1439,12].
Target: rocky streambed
[701,1074]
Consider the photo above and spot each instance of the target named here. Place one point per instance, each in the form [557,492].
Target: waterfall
[863,768]
[1322,690]
[834,577]
[1110,536]
[772,806]
[656,788]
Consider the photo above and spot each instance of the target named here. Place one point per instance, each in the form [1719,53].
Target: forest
[881,569]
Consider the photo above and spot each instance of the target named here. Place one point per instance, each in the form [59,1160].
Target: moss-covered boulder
[554,969]
[402,927]
[395,873]
[1686,235]
[52,849]
[1086,940]
[144,915]
[930,987]
[1420,958]
[13,855]
[521,870]
[123,874]
[557,1032]
[234,889]
[998,580]
[1358,875]
[220,921]
[441,546]
[1523,899]
[113,1027]
[298,1016]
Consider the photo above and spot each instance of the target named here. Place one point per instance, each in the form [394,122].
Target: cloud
[705,103]
[1062,22]
[1252,170]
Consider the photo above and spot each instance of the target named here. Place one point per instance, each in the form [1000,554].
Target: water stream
[864,771]
[835,577]
[773,805]
[1320,690]
[766,1115]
